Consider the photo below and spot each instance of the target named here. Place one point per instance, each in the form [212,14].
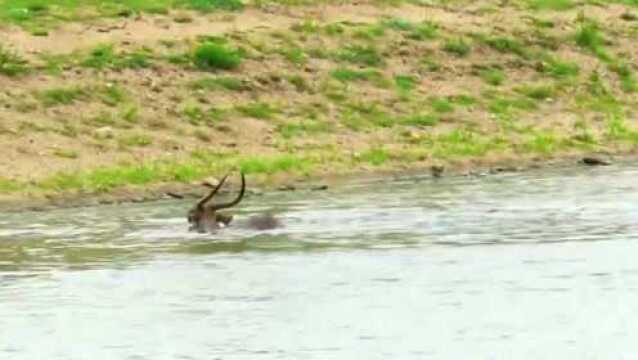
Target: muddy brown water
[541,265]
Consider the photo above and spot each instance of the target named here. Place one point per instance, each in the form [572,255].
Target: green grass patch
[258,110]
[459,47]
[375,156]
[555,5]
[398,24]
[12,64]
[560,69]
[211,5]
[461,143]
[61,96]
[416,31]
[291,130]
[348,75]
[361,55]
[198,116]
[66,154]
[219,83]
[8,186]
[299,82]
[106,57]
[39,14]
[538,92]
[493,76]
[360,116]
[424,31]
[274,164]
[111,94]
[590,37]
[625,75]
[506,45]
[136,140]
[419,120]
[370,32]
[295,55]
[210,56]
[405,83]
[505,106]
[542,142]
[617,129]
[442,105]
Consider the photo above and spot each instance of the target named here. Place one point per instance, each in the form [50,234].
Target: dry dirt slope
[314,90]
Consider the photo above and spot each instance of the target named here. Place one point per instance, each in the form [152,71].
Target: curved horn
[202,202]
[237,200]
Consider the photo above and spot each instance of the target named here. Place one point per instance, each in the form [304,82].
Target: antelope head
[205,217]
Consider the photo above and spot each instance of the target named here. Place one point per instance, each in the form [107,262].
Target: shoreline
[21,202]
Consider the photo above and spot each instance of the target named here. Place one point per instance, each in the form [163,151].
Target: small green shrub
[214,56]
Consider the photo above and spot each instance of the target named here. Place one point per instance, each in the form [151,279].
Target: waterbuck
[206,218]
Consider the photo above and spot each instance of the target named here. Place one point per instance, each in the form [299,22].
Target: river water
[541,265]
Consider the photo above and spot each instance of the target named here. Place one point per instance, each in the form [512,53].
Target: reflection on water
[539,265]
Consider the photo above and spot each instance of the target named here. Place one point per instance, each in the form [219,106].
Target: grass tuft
[60,96]
[361,55]
[219,83]
[493,76]
[11,64]
[214,56]
[458,47]
[258,110]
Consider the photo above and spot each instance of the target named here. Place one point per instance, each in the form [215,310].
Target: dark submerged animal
[205,217]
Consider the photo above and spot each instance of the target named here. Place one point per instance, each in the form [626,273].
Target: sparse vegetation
[105,57]
[331,95]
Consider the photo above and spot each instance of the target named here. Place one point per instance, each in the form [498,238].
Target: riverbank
[284,183]
[136,104]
